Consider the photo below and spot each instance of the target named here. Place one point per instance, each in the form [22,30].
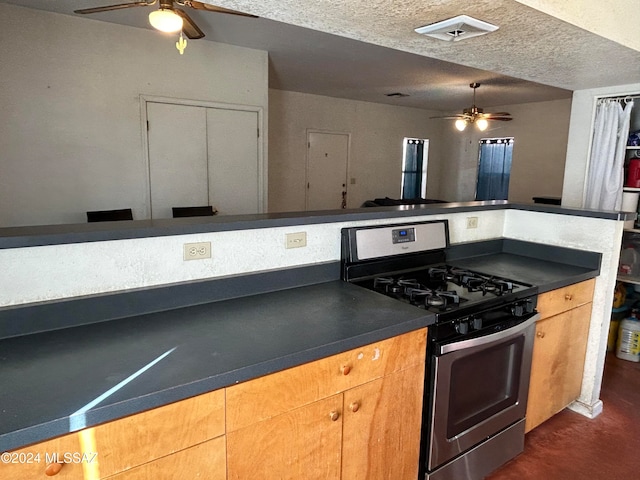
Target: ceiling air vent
[457,28]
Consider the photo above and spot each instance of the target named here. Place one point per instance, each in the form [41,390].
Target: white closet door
[177,157]
[234,172]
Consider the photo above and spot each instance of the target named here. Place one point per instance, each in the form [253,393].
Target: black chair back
[110,215]
[203,211]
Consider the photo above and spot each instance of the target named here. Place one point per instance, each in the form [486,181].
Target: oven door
[480,388]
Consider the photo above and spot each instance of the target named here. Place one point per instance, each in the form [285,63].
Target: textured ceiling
[366,49]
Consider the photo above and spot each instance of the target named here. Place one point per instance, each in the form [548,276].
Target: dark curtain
[494,169]
[412,173]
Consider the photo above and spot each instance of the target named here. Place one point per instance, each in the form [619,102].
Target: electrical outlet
[197,251]
[472,222]
[296,240]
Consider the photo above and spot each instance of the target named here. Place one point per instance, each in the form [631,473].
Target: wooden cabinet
[118,446]
[382,423]
[559,351]
[352,415]
[355,415]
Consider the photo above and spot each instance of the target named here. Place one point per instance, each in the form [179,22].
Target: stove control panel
[403,235]
[366,243]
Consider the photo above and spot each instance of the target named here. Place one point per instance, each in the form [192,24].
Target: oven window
[483,384]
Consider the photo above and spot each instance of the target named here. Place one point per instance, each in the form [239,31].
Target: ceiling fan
[476,115]
[167,18]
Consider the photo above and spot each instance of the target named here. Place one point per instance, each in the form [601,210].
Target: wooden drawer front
[31,462]
[207,460]
[304,443]
[563,299]
[131,441]
[279,392]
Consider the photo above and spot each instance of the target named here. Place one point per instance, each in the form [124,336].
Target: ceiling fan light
[482,124]
[461,124]
[165,20]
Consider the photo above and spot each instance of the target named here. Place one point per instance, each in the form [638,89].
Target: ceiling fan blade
[452,117]
[189,27]
[501,119]
[119,6]
[213,8]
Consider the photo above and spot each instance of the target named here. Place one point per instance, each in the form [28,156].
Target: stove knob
[477,323]
[463,328]
[518,310]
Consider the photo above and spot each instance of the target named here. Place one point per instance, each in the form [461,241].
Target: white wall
[540,131]
[580,134]
[377,132]
[70,134]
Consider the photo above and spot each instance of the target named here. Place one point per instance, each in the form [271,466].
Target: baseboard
[589,411]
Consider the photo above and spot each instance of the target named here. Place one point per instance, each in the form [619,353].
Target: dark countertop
[46,377]
[15,237]
[49,376]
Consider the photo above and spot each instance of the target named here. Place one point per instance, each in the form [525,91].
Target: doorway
[203,154]
[327,163]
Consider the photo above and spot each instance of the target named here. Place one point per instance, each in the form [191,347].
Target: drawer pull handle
[345,369]
[540,334]
[53,469]
[334,415]
[568,297]
[354,407]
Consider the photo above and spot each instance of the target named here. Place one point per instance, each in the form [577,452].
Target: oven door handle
[474,342]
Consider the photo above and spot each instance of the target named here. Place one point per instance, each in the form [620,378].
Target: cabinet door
[557,364]
[300,444]
[382,421]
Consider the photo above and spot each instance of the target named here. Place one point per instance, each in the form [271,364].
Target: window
[414,168]
[494,168]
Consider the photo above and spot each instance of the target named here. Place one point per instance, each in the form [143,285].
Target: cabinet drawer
[207,460]
[125,443]
[279,392]
[563,299]
[140,438]
[31,462]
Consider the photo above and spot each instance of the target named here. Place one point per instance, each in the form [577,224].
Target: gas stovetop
[409,263]
[443,289]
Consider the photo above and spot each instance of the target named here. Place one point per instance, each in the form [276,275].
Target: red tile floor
[571,447]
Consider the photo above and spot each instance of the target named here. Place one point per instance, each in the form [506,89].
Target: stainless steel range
[479,349]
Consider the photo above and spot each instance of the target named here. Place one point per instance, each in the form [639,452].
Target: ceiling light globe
[461,124]
[165,20]
[482,124]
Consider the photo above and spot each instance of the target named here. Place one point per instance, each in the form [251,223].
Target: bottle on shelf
[628,344]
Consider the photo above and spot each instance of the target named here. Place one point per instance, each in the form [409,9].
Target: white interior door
[327,159]
[235,185]
[177,136]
